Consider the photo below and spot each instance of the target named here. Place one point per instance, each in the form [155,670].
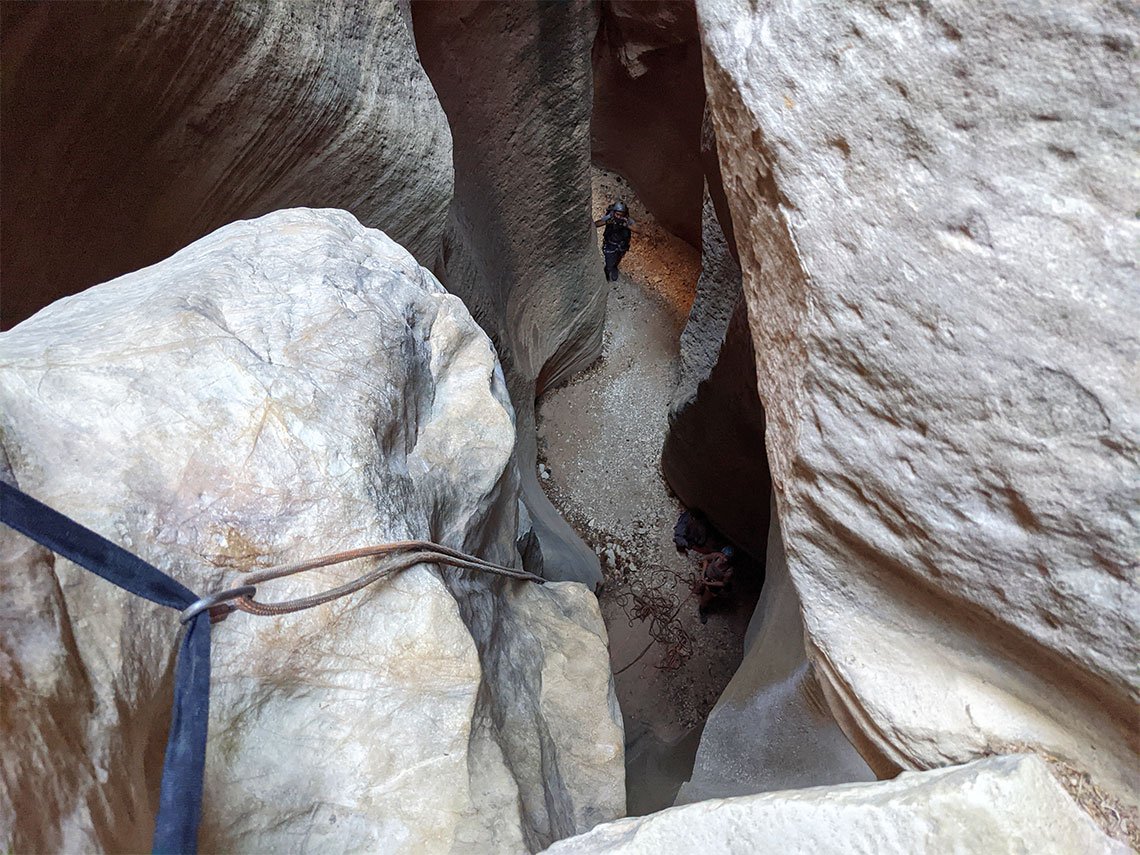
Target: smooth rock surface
[283,388]
[131,129]
[999,805]
[935,212]
[519,248]
[770,728]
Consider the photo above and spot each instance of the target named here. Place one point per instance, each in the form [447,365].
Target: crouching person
[714,579]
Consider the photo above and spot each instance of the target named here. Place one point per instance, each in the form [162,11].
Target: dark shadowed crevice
[514,81]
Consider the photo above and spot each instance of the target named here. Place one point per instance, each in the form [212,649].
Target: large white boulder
[935,210]
[1007,805]
[283,388]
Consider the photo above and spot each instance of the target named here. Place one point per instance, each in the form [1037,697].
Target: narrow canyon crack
[600,440]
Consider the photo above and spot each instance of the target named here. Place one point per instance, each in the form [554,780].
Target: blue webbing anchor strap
[180,803]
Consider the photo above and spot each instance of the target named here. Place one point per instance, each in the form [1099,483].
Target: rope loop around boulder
[396,557]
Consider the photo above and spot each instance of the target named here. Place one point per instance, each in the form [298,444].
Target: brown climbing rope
[396,557]
[653,640]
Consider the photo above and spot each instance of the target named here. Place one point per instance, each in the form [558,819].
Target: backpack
[616,236]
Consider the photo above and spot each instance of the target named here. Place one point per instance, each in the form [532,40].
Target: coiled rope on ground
[656,604]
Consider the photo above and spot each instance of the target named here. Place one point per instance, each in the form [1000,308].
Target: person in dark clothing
[714,579]
[615,239]
[692,532]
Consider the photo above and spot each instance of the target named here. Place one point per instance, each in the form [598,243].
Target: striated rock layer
[284,388]
[1000,805]
[514,80]
[131,129]
[935,213]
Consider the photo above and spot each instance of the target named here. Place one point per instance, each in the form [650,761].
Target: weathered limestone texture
[649,97]
[771,729]
[283,388]
[514,80]
[717,301]
[1000,805]
[131,129]
[935,213]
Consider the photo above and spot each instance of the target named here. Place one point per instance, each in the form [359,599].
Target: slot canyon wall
[129,130]
[519,248]
[918,302]
[935,215]
[771,728]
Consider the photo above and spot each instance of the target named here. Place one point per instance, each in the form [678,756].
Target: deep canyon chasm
[281,279]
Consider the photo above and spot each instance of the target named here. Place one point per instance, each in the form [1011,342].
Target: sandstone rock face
[514,80]
[1000,805]
[131,129]
[935,212]
[283,388]
[649,98]
[771,729]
